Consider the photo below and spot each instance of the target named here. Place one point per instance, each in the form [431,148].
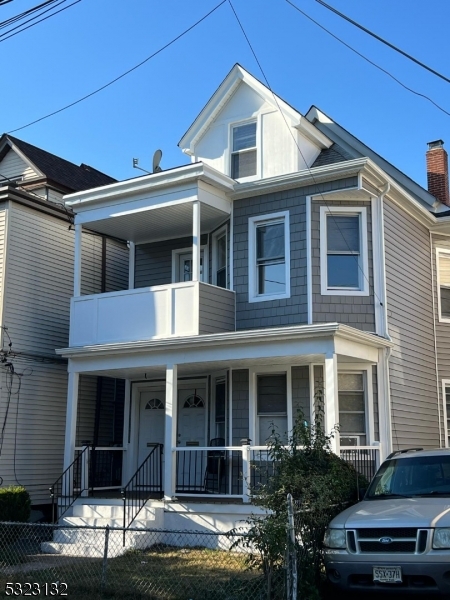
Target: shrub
[321,484]
[14,504]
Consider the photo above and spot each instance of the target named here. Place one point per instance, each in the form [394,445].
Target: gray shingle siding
[288,311]
[329,156]
[301,392]
[356,311]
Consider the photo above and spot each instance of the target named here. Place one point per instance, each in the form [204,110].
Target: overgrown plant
[321,484]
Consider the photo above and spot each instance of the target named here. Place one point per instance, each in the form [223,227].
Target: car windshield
[407,477]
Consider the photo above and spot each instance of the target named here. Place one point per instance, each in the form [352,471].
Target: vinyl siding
[216,309]
[13,165]
[442,330]
[240,405]
[412,368]
[301,393]
[288,311]
[356,311]
[153,262]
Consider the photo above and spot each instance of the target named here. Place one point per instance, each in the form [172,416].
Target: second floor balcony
[185,204]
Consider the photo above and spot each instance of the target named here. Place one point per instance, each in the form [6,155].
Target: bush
[15,504]
[321,484]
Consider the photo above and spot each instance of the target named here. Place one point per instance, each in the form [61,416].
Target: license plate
[387,574]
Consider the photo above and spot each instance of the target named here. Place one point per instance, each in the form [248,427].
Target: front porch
[196,428]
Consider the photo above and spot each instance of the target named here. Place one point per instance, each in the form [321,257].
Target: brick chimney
[437,171]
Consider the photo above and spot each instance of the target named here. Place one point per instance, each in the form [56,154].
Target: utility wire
[24,14]
[5,36]
[368,60]
[123,74]
[5,2]
[301,153]
[383,41]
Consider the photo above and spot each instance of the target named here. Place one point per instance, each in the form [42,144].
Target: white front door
[184,269]
[191,433]
[151,421]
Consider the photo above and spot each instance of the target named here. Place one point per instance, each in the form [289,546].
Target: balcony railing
[163,311]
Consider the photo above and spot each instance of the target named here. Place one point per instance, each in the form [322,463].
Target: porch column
[331,399]
[71,418]
[77,261]
[170,438]
[196,241]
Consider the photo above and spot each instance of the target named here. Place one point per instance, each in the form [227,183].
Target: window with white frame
[243,150]
[271,406]
[219,258]
[446,386]
[269,257]
[352,409]
[443,261]
[344,263]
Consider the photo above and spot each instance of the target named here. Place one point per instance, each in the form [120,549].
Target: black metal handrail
[145,482]
[69,486]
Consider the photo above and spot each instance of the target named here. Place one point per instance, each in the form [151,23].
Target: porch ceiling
[154,224]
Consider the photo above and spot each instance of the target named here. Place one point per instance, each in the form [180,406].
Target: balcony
[157,312]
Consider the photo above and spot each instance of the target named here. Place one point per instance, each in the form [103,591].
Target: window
[443,261]
[272,406]
[219,258]
[343,251]
[269,270]
[352,409]
[182,264]
[446,394]
[243,150]
[220,409]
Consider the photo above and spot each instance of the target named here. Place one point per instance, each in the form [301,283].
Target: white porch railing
[101,468]
[231,471]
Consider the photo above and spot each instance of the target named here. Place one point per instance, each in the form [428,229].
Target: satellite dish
[156,160]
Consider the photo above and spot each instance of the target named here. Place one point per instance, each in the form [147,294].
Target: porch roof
[300,344]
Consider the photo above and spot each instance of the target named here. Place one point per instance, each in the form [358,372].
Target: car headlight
[441,538]
[335,538]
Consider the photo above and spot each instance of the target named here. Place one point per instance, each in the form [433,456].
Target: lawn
[159,573]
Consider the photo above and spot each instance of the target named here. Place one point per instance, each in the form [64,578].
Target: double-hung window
[243,150]
[219,258]
[272,406]
[443,268]
[352,409]
[343,251]
[269,263]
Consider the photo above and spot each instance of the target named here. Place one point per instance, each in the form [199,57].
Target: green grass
[158,573]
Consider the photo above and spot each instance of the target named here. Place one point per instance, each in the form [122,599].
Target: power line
[383,41]
[5,36]
[55,112]
[301,153]
[25,13]
[368,60]
[2,2]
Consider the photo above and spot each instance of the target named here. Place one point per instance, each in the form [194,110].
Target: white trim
[445,383]
[221,376]
[214,237]
[232,251]
[77,259]
[229,150]
[378,267]
[253,222]
[312,393]
[438,283]
[309,294]
[366,371]
[177,252]
[363,262]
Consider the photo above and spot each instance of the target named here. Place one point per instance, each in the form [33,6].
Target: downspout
[435,343]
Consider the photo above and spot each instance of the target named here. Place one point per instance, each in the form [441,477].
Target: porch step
[79,538]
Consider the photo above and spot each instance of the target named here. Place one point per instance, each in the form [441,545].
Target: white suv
[398,537]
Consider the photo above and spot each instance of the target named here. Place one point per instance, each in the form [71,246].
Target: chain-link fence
[103,562]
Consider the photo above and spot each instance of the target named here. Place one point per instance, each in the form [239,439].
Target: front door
[151,421]
[185,266]
[192,434]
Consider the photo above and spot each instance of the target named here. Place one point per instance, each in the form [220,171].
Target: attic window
[243,155]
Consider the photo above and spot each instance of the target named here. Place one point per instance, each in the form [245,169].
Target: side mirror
[361,493]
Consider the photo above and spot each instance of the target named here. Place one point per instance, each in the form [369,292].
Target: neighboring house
[36,283]
[288,264]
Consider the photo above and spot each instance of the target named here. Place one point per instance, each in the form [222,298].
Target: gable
[13,166]
[285,141]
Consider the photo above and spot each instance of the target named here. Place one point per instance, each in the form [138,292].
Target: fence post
[292,563]
[246,470]
[105,559]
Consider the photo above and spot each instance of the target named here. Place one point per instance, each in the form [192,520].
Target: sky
[84,47]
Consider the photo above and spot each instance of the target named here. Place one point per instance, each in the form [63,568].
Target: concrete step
[112,511]
[140,523]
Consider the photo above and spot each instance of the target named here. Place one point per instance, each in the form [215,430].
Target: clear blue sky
[84,47]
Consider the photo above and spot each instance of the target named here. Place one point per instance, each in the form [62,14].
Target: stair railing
[72,484]
[146,482]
